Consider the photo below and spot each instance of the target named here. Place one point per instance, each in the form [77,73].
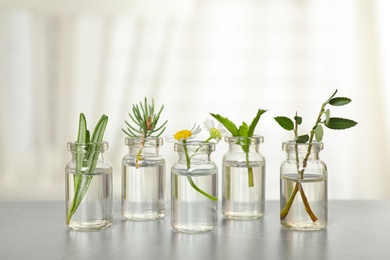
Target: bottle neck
[244,144]
[301,152]
[87,151]
[194,152]
[144,146]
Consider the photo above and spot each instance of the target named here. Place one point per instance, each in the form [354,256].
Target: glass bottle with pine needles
[88,190]
[143,168]
[243,171]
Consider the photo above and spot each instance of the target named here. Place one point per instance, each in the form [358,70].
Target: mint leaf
[254,122]
[243,130]
[339,101]
[340,123]
[302,139]
[229,125]
[285,122]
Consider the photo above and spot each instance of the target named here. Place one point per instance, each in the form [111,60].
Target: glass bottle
[303,187]
[88,187]
[192,211]
[143,180]
[243,179]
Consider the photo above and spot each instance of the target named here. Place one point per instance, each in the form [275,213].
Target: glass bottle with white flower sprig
[194,180]
[143,168]
[243,171]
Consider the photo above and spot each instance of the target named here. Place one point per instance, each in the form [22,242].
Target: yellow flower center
[215,133]
[183,134]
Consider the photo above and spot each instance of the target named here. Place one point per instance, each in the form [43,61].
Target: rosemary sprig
[87,153]
[316,133]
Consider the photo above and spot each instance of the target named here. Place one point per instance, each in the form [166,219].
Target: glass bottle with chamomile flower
[243,171]
[143,168]
[194,185]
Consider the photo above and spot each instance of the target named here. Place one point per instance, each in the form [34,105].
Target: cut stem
[298,186]
[189,178]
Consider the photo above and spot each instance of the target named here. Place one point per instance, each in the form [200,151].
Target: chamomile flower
[184,134]
[215,132]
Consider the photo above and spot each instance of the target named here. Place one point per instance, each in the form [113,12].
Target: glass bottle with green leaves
[303,176]
[89,200]
[243,171]
[143,168]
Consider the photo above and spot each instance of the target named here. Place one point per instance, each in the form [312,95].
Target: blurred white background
[60,58]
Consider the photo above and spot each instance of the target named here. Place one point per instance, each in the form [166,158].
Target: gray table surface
[36,230]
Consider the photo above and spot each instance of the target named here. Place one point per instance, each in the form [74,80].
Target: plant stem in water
[189,178]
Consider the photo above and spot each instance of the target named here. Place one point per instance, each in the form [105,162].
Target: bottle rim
[149,141]
[201,146]
[75,146]
[256,139]
[291,145]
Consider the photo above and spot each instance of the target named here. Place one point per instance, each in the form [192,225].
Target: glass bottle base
[242,216]
[90,226]
[143,217]
[193,229]
[303,226]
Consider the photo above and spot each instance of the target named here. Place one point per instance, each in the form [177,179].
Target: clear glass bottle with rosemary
[143,168]
[88,190]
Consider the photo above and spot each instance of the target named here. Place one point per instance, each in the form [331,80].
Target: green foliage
[87,152]
[339,123]
[229,125]
[285,122]
[339,101]
[145,121]
[244,130]
[302,139]
[317,131]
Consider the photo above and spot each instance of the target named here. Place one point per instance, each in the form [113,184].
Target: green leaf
[340,123]
[82,138]
[318,133]
[285,122]
[254,122]
[339,101]
[243,130]
[302,139]
[327,114]
[298,119]
[229,125]
[82,180]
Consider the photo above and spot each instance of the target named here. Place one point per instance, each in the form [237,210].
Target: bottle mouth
[292,146]
[81,147]
[148,141]
[198,146]
[256,139]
